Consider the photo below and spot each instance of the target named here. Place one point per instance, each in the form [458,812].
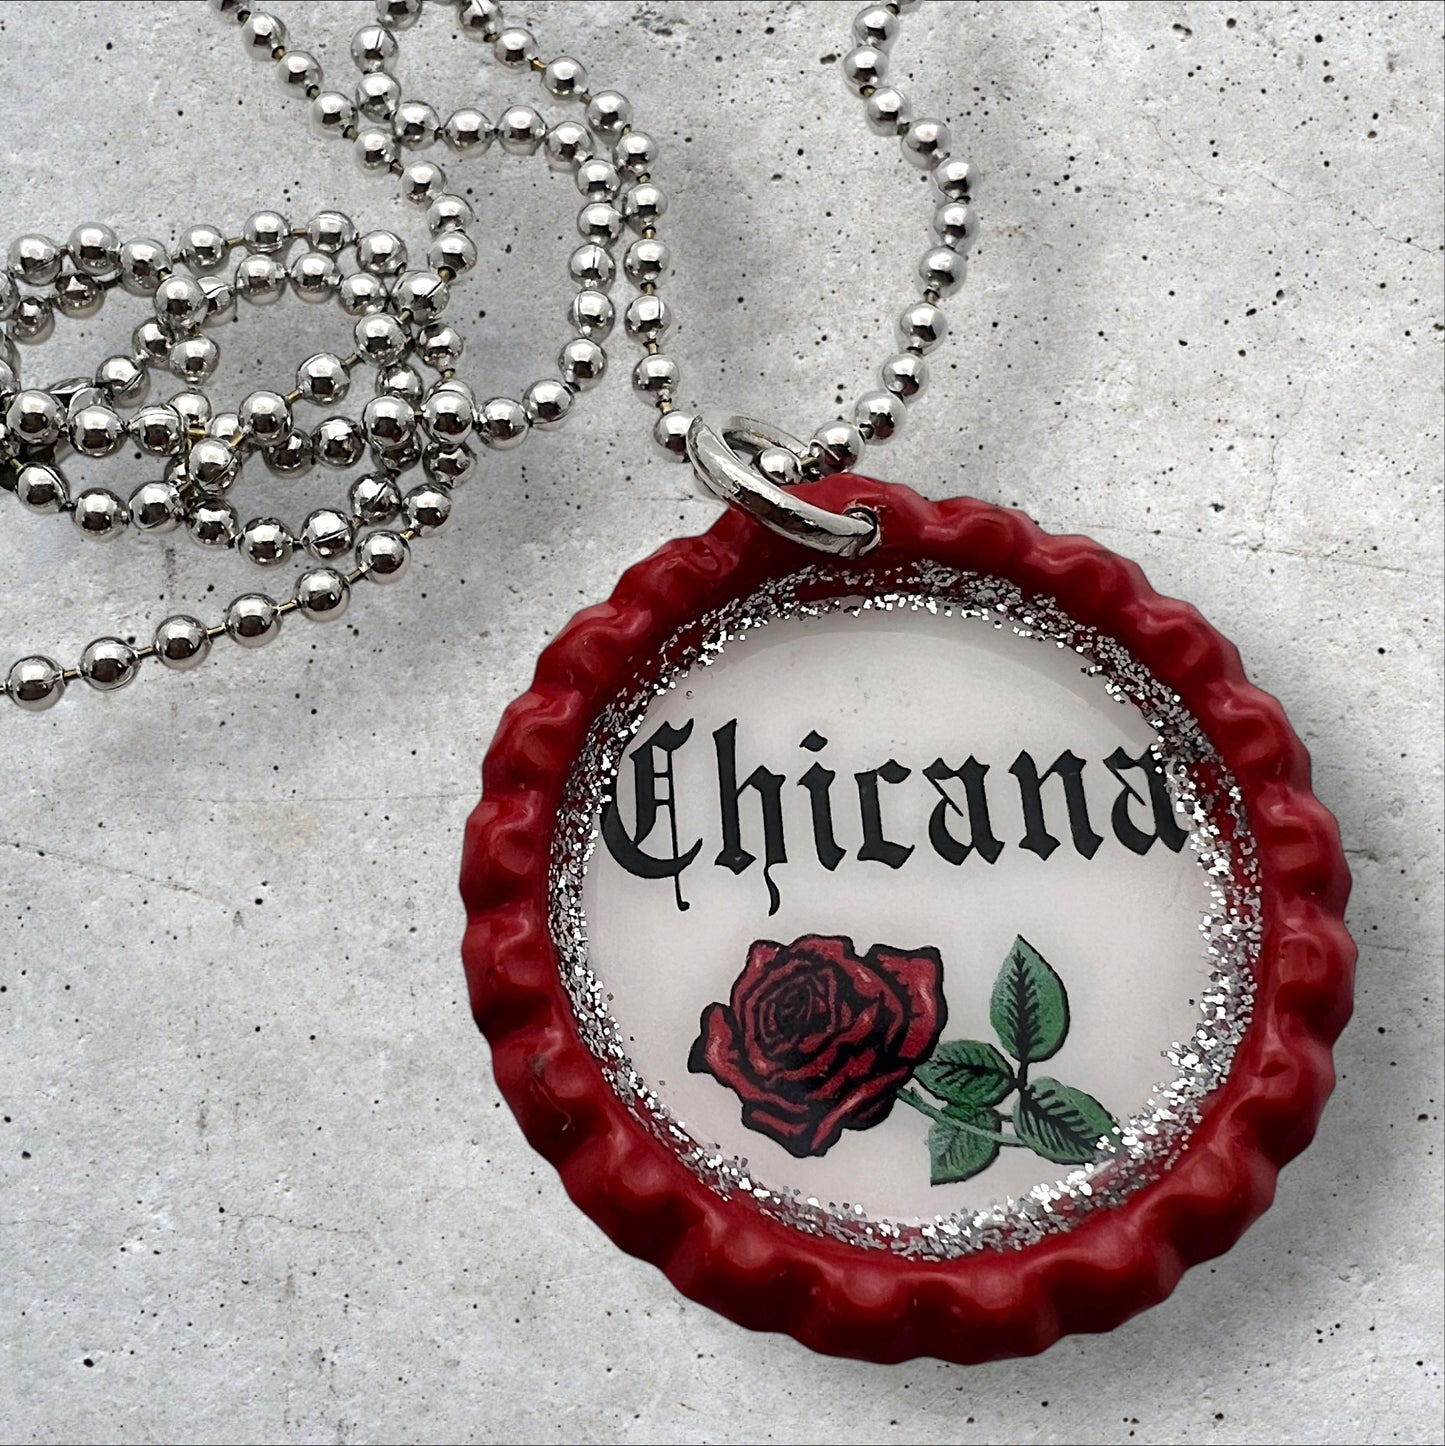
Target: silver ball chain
[399,325]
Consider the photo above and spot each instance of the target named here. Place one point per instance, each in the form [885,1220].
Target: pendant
[929,952]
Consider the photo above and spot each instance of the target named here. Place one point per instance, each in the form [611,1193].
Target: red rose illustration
[816,1040]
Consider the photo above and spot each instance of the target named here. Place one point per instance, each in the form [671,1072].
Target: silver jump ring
[712,440]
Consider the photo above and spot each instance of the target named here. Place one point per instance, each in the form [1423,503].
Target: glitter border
[1153,1138]
[729,1254]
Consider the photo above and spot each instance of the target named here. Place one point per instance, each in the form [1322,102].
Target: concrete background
[255,1180]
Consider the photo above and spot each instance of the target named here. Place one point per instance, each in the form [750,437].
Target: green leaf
[966,1072]
[1029,1008]
[1062,1124]
[961,1150]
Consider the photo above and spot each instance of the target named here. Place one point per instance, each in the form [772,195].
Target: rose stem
[922,1105]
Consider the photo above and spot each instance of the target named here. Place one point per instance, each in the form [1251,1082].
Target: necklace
[769,956]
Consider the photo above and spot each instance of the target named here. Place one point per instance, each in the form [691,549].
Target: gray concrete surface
[255,1180]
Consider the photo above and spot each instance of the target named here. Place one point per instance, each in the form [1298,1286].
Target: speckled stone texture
[255,1180]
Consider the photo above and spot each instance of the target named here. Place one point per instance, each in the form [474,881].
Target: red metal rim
[833,1297]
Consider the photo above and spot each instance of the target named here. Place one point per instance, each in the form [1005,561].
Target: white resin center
[1121,929]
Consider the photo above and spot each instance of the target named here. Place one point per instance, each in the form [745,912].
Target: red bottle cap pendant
[928,954]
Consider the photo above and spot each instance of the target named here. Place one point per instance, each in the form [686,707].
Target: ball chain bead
[33,320]
[599,222]
[194,360]
[375,150]
[323,379]
[99,514]
[265,541]
[220,300]
[264,417]
[266,232]
[864,68]
[41,488]
[179,303]
[374,498]
[9,295]
[291,456]
[193,408]
[415,124]
[35,418]
[263,35]
[36,259]
[547,403]
[383,556]
[330,232]
[502,423]
[123,380]
[592,314]
[953,176]
[94,248]
[260,280]
[568,144]
[422,293]
[669,432]
[887,112]
[922,326]
[373,47]
[212,523]
[905,375]
[646,261]
[158,430]
[377,97]
[314,276]
[427,508]
[644,206]
[332,114]
[876,26]
[449,213]
[581,363]
[480,19]
[655,376]
[77,295]
[780,466]
[253,620]
[211,464]
[156,507]
[181,643]
[515,47]
[400,381]
[422,182]
[296,70]
[878,415]
[925,142]
[468,132]
[143,264]
[389,422]
[382,253]
[520,130]
[380,339]
[449,466]
[598,180]
[564,77]
[108,664]
[361,293]
[322,594]
[338,442]
[398,14]
[226,427]
[440,346]
[592,268]
[956,225]
[96,431]
[608,112]
[35,684]
[839,445]
[635,153]
[448,415]
[647,318]
[941,270]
